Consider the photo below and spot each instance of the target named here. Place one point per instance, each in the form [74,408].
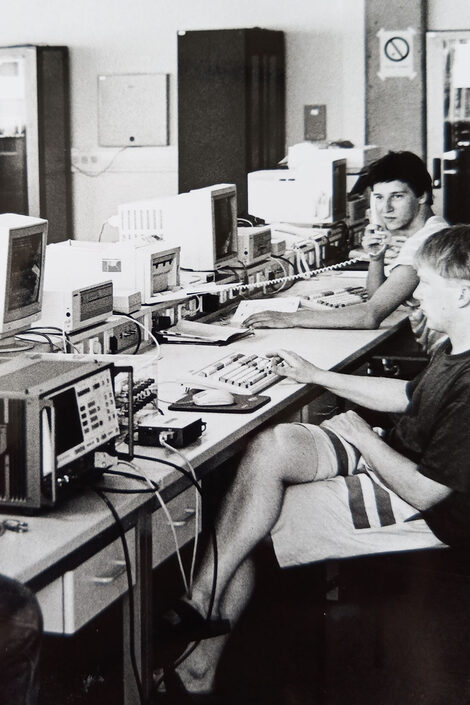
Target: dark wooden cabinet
[35,170]
[13,182]
[231,106]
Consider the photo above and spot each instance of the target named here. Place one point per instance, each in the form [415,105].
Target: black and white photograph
[235,352]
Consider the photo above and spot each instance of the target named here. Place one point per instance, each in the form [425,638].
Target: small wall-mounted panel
[315,123]
[133,110]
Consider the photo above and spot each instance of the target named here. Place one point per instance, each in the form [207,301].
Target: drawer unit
[80,594]
[182,510]
[51,599]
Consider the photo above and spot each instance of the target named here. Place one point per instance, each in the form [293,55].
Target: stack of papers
[202,333]
[285,304]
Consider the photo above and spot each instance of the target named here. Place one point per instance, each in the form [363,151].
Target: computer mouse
[213,397]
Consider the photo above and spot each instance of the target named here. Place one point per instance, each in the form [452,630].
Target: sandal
[182,624]
[175,693]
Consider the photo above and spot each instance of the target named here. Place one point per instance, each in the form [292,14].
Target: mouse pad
[244,404]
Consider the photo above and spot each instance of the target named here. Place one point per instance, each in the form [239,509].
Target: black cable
[48,328]
[232,269]
[123,473]
[197,486]
[127,559]
[345,228]
[212,534]
[194,646]
[157,460]
[166,462]
[245,270]
[67,342]
[197,271]
[41,335]
[284,259]
[117,490]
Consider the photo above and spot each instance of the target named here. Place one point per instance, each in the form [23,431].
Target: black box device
[177,431]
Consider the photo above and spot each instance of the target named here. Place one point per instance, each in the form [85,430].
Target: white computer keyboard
[237,372]
[337,298]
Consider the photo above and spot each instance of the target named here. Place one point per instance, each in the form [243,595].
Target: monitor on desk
[23,241]
[203,222]
[312,195]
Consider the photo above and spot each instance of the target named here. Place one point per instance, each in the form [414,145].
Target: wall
[395,104]
[448,14]
[325,59]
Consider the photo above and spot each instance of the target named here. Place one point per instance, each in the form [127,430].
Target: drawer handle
[118,570]
[182,521]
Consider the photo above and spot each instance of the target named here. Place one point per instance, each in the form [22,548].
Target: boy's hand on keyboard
[288,364]
[270,319]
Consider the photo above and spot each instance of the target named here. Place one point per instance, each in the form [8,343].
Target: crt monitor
[224,224]
[23,241]
[203,222]
[314,194]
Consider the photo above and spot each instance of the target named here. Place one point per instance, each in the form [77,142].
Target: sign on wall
[396,53]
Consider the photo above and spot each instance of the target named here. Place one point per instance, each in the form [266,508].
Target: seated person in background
[401,199]
[20,636]
[342,489]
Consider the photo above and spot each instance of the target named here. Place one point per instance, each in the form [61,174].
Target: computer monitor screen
[25,272]
[23,241]
[224,227]
[69,433]
[202,222]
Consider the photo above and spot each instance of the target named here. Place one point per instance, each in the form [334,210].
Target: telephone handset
[376,239]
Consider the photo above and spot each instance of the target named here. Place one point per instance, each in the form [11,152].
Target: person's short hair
[397,166]
[447,252]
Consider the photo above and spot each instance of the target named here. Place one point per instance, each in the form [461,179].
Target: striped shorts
[347,511]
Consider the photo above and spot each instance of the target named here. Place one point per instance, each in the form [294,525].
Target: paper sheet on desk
[285,304]
[196,332]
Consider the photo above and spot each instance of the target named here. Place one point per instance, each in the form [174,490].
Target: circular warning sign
[396,48]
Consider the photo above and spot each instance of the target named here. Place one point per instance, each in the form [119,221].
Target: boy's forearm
[401,474]
[358,316]
[375,275]
[375,393]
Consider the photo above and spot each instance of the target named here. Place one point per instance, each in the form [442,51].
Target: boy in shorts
[341,489]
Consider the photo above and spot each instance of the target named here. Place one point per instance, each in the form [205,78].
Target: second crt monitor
[312,195]
[23,242]
[203,222]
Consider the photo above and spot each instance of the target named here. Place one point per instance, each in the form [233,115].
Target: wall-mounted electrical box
[133,110]
[315,123]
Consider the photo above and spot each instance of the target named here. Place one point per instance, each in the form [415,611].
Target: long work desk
[72,556]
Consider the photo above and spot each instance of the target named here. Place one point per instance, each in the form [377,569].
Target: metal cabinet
[231,106]
[448,121]
[35,170]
